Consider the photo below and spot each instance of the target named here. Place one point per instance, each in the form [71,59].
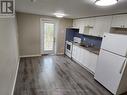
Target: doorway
[47,37]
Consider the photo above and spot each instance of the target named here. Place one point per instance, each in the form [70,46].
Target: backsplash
[71,33]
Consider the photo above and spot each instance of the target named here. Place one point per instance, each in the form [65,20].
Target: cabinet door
[91,21]
[76,23]
[84,57]
[78,53]
[81,26]
[92,24]
[92,61]
[102,25]
[118,21]
[74,52]
[109,70]
[88,22]
[125,21]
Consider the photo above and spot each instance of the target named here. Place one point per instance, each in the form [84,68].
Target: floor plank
[55,75]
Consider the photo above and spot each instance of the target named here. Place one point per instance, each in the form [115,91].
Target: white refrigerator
[111,69]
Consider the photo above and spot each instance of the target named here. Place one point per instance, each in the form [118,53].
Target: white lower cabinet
[84,57]
[92,61]
[74,52]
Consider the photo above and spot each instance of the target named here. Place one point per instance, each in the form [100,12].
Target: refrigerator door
[115,43]
[109,70]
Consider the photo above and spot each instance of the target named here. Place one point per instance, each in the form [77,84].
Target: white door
[47,37]
[74,52]
[125,21]
[92,61]
[109,70]
[115,43]
[102,25]
[85,57]
[118,21]
[81,26]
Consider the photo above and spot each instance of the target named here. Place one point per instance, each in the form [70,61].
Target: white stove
[68,50]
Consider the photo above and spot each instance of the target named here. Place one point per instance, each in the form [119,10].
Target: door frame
[42,21]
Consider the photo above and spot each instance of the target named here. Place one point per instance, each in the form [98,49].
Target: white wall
[8,55]
[29,33]
[63,24]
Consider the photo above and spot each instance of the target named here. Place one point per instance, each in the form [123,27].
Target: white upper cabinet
[81,26]
[76,23]
[102,25]
[89,25]
[90,22]
[96,26]
[119,21]
[85,26]
[79,23]
[125,21]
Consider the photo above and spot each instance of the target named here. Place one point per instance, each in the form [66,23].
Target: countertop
[90,49]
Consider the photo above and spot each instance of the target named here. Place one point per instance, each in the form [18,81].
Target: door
[74,52]
[92,61]
[81,26]
[115,43]
[102,25]
[125,21]
[48,37]
[84,57]
[118,21]
[109,70]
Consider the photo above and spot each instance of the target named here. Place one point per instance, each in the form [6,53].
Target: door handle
[54,39]
[126,53]
[123,65]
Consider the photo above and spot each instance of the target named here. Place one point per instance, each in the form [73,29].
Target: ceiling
[72,8]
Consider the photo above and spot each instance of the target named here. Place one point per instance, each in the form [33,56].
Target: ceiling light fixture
[59,15]
[105,2]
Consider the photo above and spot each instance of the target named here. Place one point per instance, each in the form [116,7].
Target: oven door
[69,47]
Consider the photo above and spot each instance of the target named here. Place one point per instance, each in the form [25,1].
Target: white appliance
[77,40]
[111,69]
[68,50]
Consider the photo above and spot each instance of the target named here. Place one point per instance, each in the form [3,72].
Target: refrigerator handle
[126,53]
[124,64]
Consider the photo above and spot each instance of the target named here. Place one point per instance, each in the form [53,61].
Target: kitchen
[63,47]
[91,42]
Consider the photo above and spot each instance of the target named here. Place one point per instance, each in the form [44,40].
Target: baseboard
[59,53]
[13,89]
[36,55]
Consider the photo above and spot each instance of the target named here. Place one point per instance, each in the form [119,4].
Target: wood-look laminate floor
[55,75]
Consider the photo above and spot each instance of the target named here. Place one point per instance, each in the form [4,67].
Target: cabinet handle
[54,40]
[122,68]
[126,53]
